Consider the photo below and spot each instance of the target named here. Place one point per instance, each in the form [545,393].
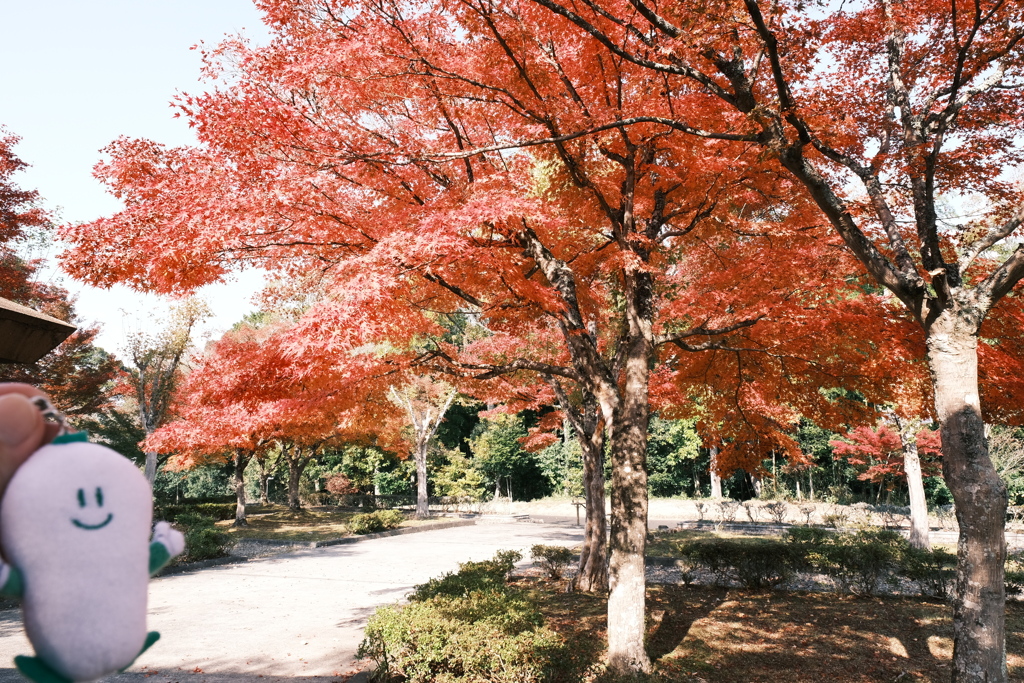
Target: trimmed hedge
[218,511]
[371,522]
[203,541]
[466,626]
[866,562]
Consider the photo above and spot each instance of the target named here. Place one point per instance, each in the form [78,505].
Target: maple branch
[1005,278]
[571,412]
[678,69]
[558,273]
[621,123]
[656,20]
[704,332]
[990,239]
[454,289]
[869,176]
[787,106]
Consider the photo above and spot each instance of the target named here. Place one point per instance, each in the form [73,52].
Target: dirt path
[294,616]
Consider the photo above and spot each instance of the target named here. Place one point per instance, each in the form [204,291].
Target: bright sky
[76,76]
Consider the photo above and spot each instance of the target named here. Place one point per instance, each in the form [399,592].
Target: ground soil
[719,635]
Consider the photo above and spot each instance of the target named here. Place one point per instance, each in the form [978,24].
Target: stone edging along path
[217,561]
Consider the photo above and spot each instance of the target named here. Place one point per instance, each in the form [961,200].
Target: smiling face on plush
[83,502]
[83,495]
[75,520]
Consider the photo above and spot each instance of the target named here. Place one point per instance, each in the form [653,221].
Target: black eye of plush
[81,498]
[99,496]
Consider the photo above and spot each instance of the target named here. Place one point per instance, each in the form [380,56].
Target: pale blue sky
[79,73]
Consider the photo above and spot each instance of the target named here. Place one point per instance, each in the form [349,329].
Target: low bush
[466,626]
[552,558]
[934,571]
[865,562]
[218,511]
[203,541]
[380,520]
[751,563]
[777,510]
[489,575]
[808,535]
[492,637]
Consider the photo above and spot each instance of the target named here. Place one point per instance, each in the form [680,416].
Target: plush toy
[74,528]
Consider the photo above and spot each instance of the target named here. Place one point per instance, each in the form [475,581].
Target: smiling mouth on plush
[83,525]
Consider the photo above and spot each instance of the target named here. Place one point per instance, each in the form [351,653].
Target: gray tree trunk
[915,484]
[294,474]
[979,495]
[241,461]
[716,481]
[422,501]
[151,465]
[628,424]
[586,422]
[593,568]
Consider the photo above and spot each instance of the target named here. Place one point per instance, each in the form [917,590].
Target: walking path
[298,616]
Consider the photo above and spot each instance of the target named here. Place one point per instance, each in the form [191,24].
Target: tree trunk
[151,465]
[915,485]
[593,571]
[241,461]
[626,571]
[264,488]
[716,481]
[979,620]
[294,474]
[422,502]
[757,485]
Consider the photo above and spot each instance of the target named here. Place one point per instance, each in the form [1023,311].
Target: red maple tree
[360,159]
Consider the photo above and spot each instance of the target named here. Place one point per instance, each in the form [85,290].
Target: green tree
[672,448]
[498,453]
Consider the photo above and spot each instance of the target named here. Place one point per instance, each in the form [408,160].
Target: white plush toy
[74,528]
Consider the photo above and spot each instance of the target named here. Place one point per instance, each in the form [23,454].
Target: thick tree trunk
[915,485]
[241,461]
[626,571]
[593,571]
[979,636]
[716,481]
[422,502]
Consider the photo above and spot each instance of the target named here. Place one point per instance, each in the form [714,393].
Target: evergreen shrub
[552,558]
[217,511]
[371,522]
[466,626]
[203,541]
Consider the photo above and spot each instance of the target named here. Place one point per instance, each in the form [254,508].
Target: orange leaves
[248,391]
[879,452]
